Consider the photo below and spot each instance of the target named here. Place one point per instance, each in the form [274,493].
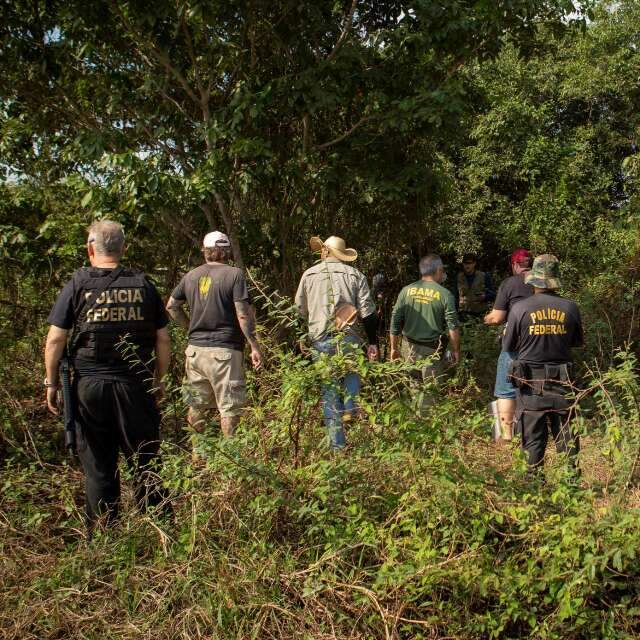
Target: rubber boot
[506,412]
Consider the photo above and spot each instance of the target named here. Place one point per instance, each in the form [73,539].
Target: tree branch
[178,106]
[306,133]
[228,223]
[204,94]
[346,134]
[160,55]
[180,225]
[208,213]
[346,27]
[174,152]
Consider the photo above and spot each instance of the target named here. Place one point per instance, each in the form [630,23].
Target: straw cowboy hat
[337,247]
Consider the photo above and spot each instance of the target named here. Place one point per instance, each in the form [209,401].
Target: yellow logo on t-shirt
[105,311]
[424,295]
[556,328]
[204,284]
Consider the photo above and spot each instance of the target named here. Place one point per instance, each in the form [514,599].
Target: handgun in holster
[518,374]
[69,409]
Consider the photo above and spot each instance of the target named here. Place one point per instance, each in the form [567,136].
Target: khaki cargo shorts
[214,377]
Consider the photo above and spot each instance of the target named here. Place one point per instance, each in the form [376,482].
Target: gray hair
[430,264]
[107,238]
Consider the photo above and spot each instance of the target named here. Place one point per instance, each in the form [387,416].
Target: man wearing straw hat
[543,329]
[331,296]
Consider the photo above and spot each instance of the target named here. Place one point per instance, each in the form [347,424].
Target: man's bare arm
[56,341]
[163,358]
[177,313]
[495,316]
[163,352]
[454,341]
[394,344]
[247,320]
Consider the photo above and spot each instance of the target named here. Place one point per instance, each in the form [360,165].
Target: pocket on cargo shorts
[196,388]
[190,356]
[237,393]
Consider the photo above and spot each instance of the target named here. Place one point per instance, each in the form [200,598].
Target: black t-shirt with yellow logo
[543,329]
[211,291]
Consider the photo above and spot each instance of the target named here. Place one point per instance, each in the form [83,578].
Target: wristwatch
[49,385]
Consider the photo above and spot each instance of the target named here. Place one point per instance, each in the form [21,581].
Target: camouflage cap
[545,272]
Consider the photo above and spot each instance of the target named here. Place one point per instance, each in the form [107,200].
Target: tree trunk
[208,213]
[230,229]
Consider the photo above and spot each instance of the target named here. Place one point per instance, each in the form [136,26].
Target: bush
[422,529]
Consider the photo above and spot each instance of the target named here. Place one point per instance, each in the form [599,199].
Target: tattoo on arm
[247,320]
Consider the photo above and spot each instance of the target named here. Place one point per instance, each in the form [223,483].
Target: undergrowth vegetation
[422,529]
[405,128]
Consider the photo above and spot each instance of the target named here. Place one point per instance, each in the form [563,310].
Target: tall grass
[422,529]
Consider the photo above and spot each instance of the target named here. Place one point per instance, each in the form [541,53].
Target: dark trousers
[534,427]
[114,416]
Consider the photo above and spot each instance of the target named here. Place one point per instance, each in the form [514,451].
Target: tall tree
[263,115]
[545,161]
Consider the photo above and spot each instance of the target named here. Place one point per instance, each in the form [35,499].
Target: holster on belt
[559,372]
[540,378]
[518,374]
[545,387]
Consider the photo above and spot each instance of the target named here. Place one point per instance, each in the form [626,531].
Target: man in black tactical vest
[112,321]
[543,329]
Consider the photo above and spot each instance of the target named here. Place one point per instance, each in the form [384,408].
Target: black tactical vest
[120,327]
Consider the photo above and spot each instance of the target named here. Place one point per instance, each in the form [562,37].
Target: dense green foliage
[404,127]
[281,120]
[405,135]
[421,530]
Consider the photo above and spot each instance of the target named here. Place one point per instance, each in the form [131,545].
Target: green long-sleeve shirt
[424,311]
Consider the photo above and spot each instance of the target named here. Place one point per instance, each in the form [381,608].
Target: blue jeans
[503,388]
[339,395]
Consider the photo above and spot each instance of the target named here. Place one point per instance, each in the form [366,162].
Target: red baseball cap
[522,257]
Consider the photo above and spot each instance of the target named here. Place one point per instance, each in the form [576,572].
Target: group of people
[112,324]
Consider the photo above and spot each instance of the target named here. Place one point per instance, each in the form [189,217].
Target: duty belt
[540,377]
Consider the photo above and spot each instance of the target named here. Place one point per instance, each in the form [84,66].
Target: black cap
[469,257]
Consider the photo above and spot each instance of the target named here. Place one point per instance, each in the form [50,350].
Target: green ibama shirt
[424,311]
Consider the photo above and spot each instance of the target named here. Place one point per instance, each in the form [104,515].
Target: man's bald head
[107,238]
